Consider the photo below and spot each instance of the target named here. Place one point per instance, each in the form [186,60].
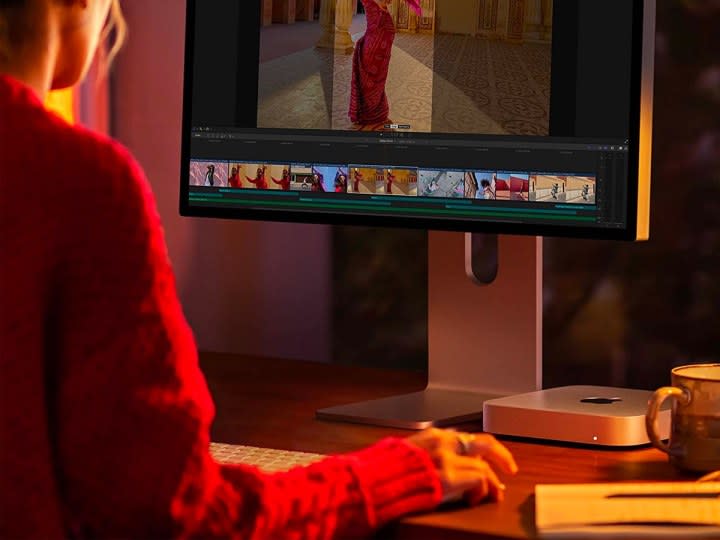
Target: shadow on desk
[465,525]
[641,470]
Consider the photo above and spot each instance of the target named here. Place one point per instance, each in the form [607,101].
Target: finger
[477,495]
[489,448]
[495,487]
[481,476]
[486,490]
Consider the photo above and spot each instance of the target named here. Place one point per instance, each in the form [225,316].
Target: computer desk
[272,403]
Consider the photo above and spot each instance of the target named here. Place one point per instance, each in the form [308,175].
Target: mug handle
[656,401]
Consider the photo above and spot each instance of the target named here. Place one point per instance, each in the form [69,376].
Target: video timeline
[370,180]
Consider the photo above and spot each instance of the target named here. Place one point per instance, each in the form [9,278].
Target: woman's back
[36,187]
[84,275]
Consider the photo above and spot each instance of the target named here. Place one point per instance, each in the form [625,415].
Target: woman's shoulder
[35,134]
[94,152]
[94,177]
[90,161]
[81,174]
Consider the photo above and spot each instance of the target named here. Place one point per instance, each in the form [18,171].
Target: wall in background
[247,287]
[625,314]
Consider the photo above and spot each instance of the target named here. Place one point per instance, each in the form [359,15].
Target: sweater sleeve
[133,411]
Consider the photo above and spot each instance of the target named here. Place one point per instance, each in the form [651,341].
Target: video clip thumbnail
[209,173]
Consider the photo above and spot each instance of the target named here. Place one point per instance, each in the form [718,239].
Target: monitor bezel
[639,70]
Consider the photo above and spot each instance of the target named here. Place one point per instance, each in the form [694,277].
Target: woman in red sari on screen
[340,183]
[234,180]
[317,183]
[389,179]
[260,181]
[284,182]
[357,178]
[371,62]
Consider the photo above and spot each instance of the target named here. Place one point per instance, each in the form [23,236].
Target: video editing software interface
[514,111]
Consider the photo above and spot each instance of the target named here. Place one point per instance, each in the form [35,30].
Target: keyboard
[267,459]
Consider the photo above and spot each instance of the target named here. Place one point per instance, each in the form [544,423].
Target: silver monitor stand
[484,333]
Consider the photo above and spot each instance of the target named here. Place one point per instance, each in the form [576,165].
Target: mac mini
[592,415]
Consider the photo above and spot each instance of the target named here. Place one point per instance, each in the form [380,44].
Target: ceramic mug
[694,443]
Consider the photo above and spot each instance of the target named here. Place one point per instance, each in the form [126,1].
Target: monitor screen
[499,116]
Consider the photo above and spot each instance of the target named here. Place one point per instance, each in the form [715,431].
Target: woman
[358,177]
[210,176]
[371,62]
[104,412]
[389,179]
[317,183]
[284,182]
[340,183]
[260,181]
[234,180]
[487,190]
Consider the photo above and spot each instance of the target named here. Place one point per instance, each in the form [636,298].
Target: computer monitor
[525,118]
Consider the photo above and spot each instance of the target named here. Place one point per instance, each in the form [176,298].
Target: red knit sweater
[104,412]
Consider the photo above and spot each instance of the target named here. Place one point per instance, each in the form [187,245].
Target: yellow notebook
[671,509]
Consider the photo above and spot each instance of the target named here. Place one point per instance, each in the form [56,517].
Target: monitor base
[588,415]
[484,333]
[418,410]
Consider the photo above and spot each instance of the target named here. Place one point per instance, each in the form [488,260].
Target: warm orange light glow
[643,216]
[62,102]
[646,123]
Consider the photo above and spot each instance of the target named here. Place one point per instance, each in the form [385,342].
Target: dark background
[615,313]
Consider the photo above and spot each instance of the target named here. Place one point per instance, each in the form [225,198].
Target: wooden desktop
[272,403]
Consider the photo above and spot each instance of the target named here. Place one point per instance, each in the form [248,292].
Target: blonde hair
[117,26]
[13,14]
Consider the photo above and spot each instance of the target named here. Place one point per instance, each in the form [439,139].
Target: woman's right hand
[465,461]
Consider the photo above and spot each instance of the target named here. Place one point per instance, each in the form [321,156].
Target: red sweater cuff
[397,478]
